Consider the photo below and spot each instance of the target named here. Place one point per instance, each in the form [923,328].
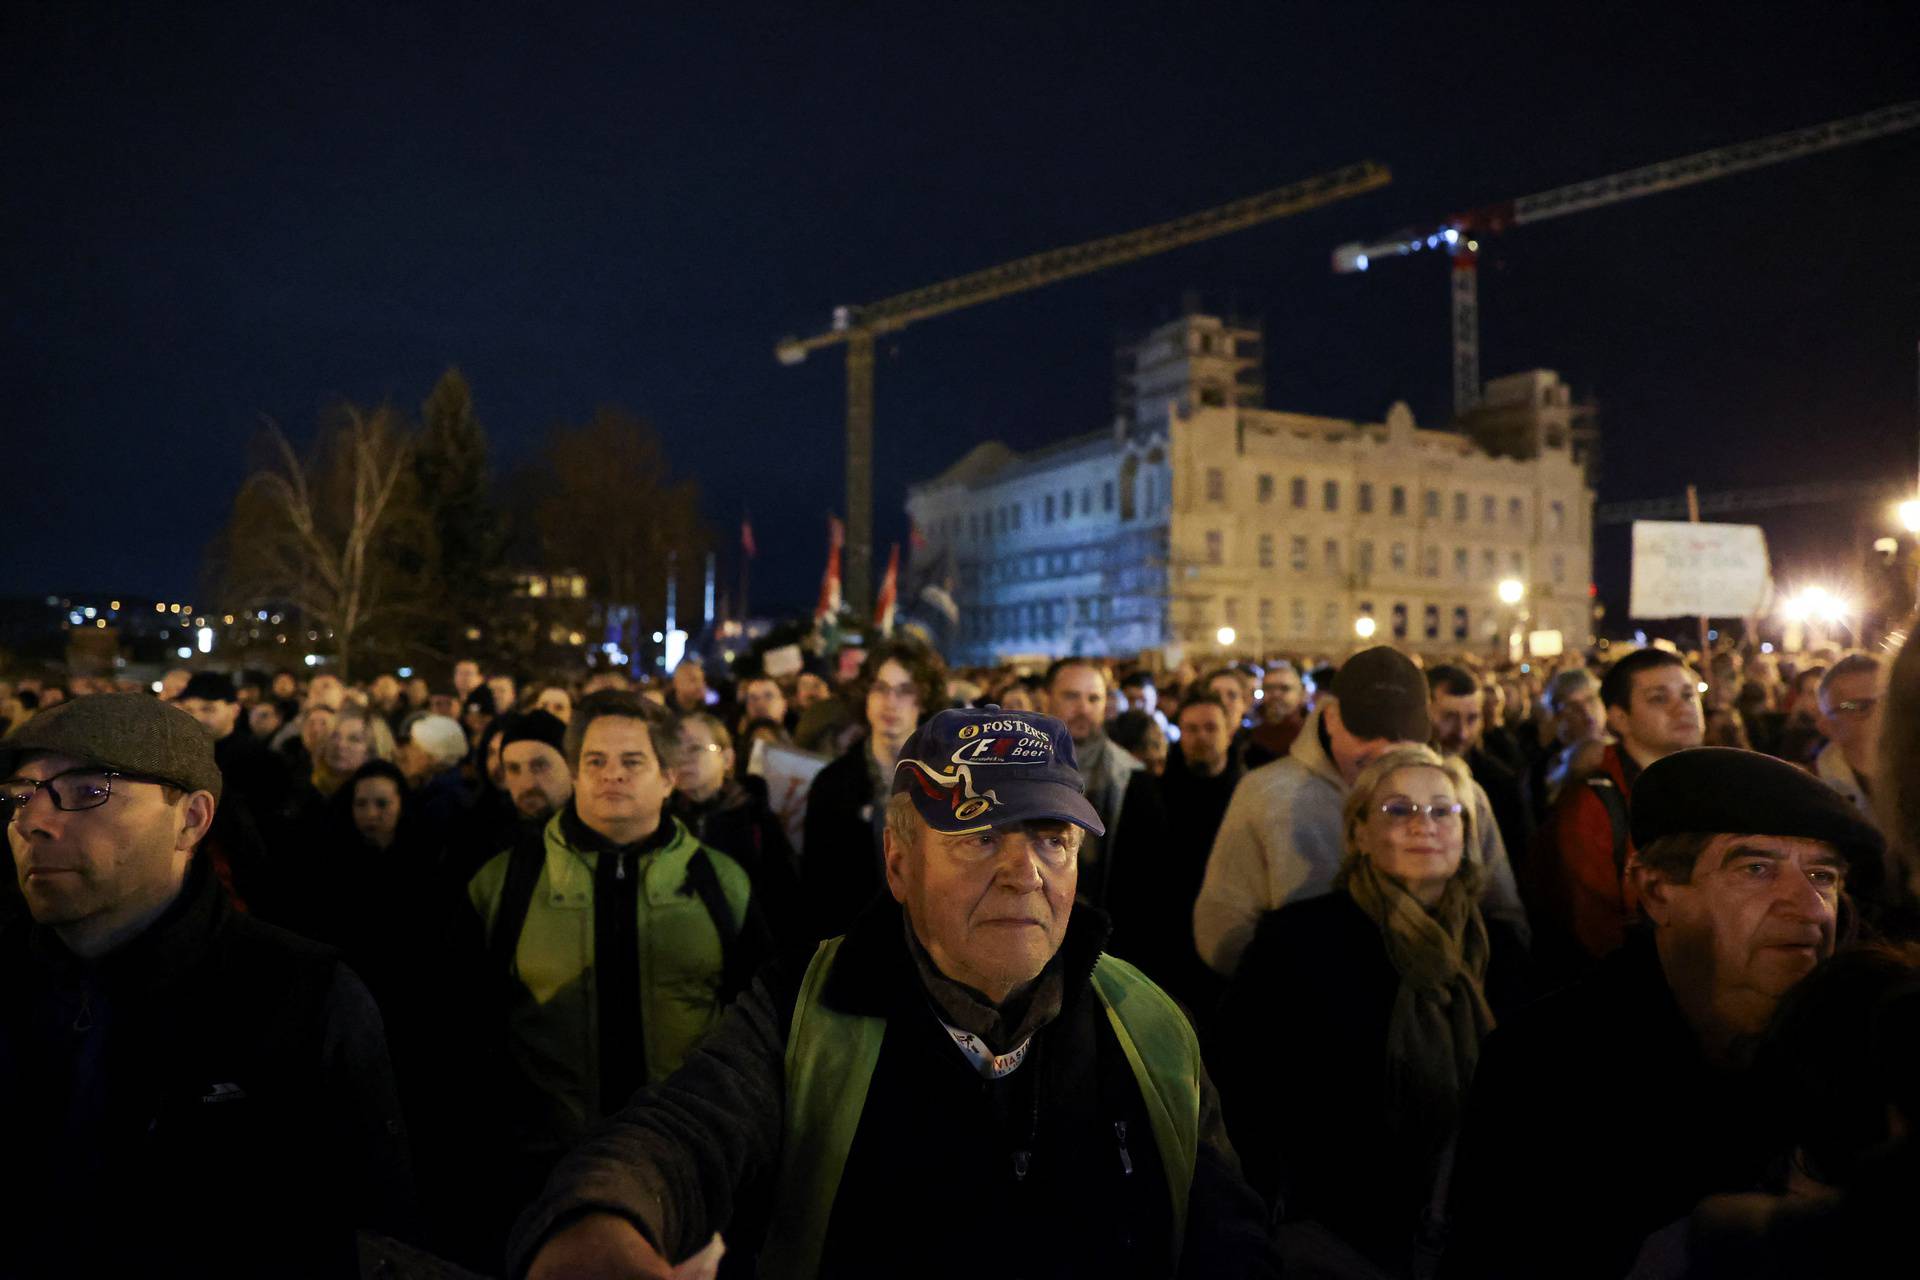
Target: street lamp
[1364,627]
[1512,591]
[1225,636]
[1910,515]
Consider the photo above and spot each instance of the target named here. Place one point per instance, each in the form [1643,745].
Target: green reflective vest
[553,1019]
[830,1061]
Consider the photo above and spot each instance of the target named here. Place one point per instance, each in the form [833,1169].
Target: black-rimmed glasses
[70,790]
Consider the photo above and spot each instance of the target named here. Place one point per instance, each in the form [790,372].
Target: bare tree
[333,535]
[609,508]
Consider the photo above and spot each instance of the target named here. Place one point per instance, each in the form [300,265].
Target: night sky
[215,214]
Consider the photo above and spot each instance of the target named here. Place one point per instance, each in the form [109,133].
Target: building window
[1557,515]
[1086,501]
[1296,616]
[1330,556]
[1431,622]
[1017,509]
[1214,546]
[1460,630]
[1460,567]
[1430,504]
[1049,509]
[1263,488]
[1559,568]
[1516,511]
[1233,611]
[1430,562]
[1216,485]
[1489,509]
[1330,495]
[1330,620]
[1129,472]
[1297,554]
[1106,496]
[1460,508]
[1297,490]
[1489,563]
[1397,500]
[1066,504]
[1366,498]
[1365,567]
[1397,558]
[1399,620]
[1266,551]
[1517,560]
[1266,615]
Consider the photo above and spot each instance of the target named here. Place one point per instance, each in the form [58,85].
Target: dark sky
[215,213]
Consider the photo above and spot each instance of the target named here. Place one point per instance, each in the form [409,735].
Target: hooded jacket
[1282,841]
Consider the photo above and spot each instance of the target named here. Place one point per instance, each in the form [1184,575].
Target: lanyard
[989,1064]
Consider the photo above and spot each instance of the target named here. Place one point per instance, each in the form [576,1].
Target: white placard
[1684,570]
[789,775]
[1546,644]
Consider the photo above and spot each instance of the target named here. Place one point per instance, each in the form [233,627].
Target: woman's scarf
[1440,1013]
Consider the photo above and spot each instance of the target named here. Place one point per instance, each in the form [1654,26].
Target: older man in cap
[961,1084]
[1608,1110]
[1283,837]
[190,1091]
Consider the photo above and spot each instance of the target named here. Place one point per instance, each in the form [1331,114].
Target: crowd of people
[1349,966]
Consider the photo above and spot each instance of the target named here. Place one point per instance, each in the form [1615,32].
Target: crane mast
[856,327]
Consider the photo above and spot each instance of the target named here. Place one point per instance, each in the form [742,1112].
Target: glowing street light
[1910,515]
[1364,627]
[1225,636]
[1512,591]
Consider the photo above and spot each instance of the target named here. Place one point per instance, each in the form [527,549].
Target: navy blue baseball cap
[972,769]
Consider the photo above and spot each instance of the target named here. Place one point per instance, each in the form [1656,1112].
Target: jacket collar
[1312,754]
[576,832]
[160,954]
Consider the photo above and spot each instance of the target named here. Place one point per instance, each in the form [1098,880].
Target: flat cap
[133,733]
[1725,791]
[1383,695]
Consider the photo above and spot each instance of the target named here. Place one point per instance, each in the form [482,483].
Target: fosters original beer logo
[1002,742]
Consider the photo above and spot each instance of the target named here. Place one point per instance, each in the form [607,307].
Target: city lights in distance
[313,659]
[205,638]
[1364,627]
[184,652]
[1909,512]
[1224,635]
[1512,590]
[1816,604]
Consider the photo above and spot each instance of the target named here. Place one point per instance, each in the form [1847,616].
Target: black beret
[534,726]
[1724,791]
[126,732]
[210,686]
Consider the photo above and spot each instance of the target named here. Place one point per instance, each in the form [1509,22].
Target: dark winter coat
[1594,1120]
[737,822]
[929,1188]
[211,1098]
[840,857]
[1300,1052]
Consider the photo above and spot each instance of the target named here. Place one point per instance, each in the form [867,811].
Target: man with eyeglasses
[193,1091]
[1850,719]
[1608,1110]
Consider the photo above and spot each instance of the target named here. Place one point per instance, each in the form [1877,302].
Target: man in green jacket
[960,1082]
[615,936]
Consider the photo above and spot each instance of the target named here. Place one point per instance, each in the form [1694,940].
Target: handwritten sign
[1698,570]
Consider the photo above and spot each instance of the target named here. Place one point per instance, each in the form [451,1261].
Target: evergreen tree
[451,465]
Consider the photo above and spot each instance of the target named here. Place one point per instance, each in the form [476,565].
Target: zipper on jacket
[1020,1159]
[1126,1161]
[83,1019]
[619,866]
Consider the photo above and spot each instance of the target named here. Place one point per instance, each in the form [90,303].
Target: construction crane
[858,326]
[1459,236]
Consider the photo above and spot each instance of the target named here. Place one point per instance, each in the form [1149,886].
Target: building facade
[1202,525]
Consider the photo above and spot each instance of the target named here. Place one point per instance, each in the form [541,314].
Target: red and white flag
[829,604]
[747,544]
[889,594]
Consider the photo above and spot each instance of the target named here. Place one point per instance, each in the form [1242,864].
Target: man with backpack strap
[614,937]
[962,1083]
[1581,899]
